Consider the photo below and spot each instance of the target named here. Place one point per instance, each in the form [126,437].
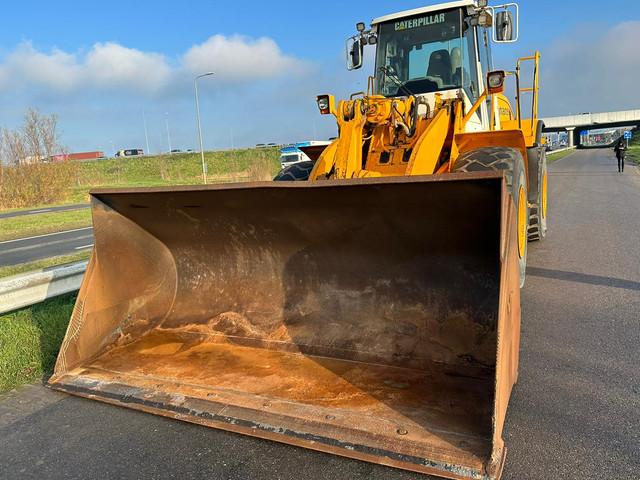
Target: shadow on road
[584,278]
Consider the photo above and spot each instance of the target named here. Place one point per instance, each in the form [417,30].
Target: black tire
[298,172]
[511,162]
[537,194]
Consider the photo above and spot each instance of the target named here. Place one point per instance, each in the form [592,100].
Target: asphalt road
[35,211]
[575,413]
[14,252]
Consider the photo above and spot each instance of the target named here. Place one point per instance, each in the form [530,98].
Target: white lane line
[31,212]
[39,245]
[84,246]
[46,235]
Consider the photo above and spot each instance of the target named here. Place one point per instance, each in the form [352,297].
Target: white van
[291,153]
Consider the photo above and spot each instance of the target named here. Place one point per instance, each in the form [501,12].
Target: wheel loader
[370,309]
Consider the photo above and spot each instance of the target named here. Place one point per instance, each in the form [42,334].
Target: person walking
[619,149]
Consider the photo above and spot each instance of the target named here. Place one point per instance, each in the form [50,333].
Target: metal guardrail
[30,288]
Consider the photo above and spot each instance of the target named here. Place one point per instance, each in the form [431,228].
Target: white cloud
[240,58]
[106,65]
[57,70]
[592,71]
[111,66]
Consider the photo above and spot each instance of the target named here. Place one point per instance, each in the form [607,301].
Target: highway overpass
[574,124]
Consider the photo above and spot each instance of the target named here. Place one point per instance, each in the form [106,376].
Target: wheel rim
[522,221]
[544,195]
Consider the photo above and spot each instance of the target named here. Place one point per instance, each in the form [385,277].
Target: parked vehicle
[292,153]
[64,157]
[131,152]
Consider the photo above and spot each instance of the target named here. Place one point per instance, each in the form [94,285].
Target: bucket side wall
[127,290]
[508,348]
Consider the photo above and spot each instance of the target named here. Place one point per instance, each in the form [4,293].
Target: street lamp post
[195,84]
[166,122]
[146,134]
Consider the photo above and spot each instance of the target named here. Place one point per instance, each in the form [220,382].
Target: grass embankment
[552,157]
[176,169]
[47,262]
[633,154]
[23,185]
[35,184]
[42,223]
[30,339]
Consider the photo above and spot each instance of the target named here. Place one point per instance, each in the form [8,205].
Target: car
[130,152]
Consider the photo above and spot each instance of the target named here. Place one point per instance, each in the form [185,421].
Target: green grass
[176,169]
[47,262]
[633,154]
[30,339]
[552,157]
[42,223]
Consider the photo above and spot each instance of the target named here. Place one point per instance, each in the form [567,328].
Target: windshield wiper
[396,80]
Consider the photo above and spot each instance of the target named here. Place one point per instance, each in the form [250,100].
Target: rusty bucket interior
[354,317]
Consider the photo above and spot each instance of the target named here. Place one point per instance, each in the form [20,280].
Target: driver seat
[439,69]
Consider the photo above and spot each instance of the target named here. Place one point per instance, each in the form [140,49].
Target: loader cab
[426,53]
[443,49]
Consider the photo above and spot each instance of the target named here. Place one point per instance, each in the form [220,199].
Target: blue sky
[99,65]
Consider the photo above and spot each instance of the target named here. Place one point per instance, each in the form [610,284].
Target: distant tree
[13,147]
[34,142]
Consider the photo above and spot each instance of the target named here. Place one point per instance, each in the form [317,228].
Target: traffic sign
[628,134]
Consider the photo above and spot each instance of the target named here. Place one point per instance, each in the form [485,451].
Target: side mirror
[505,24]
[354,53]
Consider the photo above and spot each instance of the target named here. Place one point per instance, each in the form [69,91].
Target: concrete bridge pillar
[570,135]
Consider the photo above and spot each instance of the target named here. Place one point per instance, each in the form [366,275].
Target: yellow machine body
[372,311]
[382,136]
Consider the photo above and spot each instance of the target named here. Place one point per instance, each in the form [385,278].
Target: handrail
[534,89]
[461,122]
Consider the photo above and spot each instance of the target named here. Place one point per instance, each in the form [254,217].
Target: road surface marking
[37,211]
[45,235]
[39,245]
[84,246]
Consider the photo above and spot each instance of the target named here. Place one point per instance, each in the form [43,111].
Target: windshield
[424,53]
[289,158]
